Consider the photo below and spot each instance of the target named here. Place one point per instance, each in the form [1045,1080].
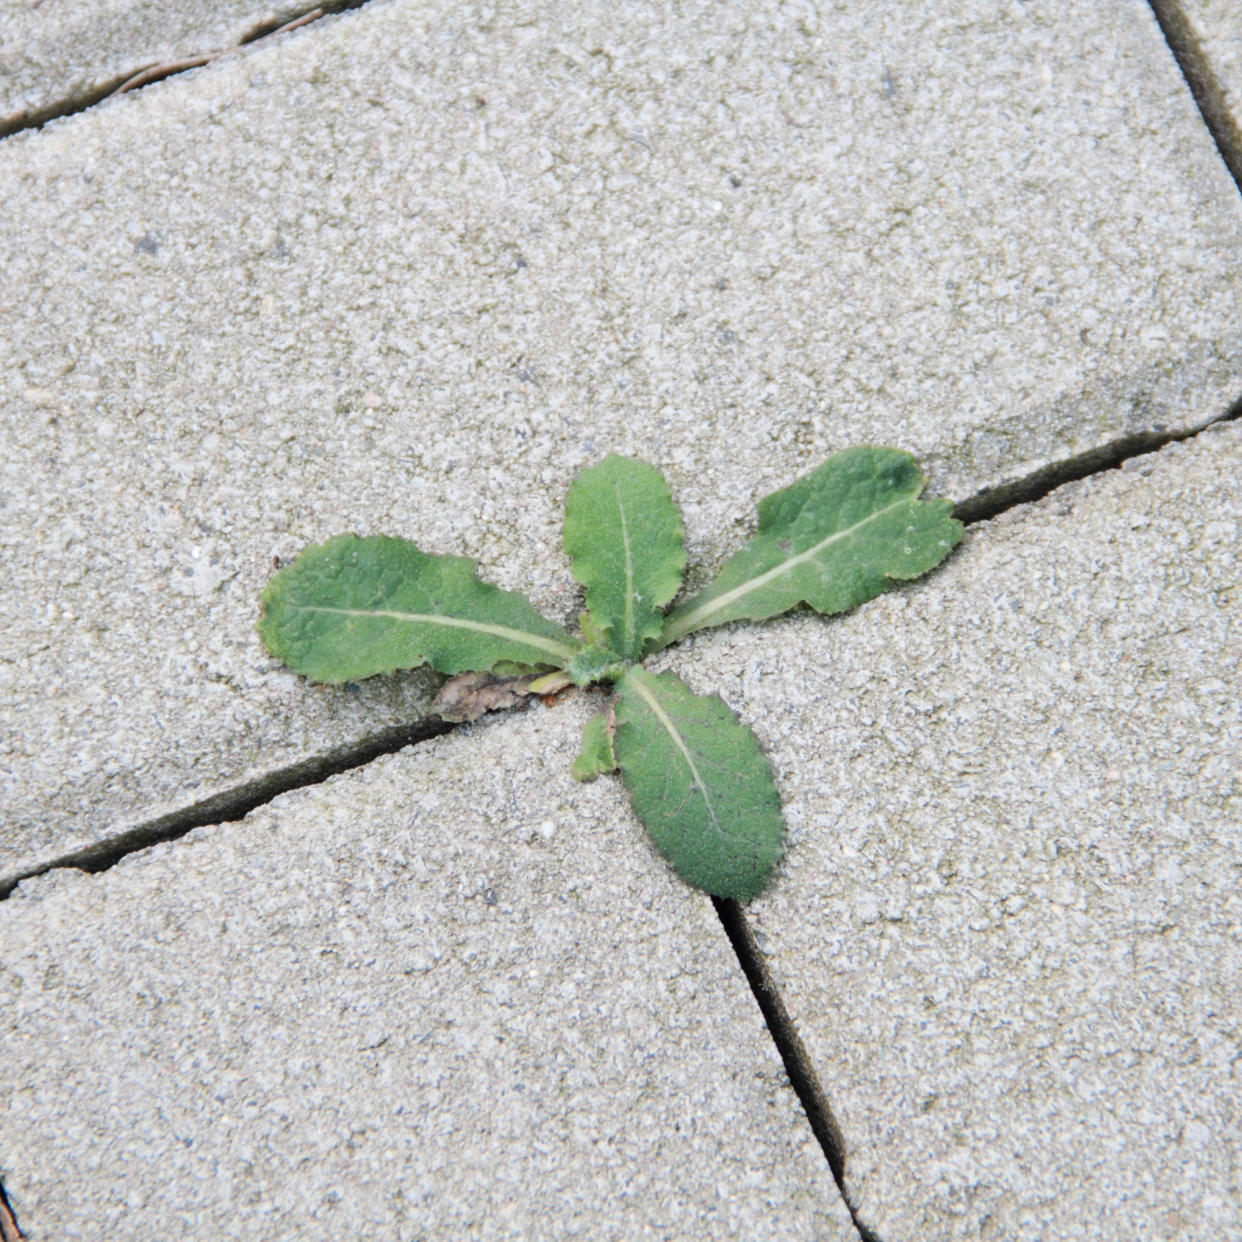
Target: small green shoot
[697,778]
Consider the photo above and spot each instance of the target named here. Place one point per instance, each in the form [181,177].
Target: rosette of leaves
[697,778]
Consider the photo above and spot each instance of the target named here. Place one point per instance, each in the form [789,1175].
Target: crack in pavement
[9,1230]
[145,74]
[232,804]
[1204,85]
[993,501]
[798,1066]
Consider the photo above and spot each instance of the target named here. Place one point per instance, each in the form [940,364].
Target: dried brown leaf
[468,696]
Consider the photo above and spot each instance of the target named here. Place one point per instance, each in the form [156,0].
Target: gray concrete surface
[449,995]
[1009,926]
[407,271]
[56,55]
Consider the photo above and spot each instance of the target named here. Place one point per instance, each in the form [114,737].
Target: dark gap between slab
[39,117]
[144,75]
[9,1229]
[993,501]
[233,804]
[1204,85]
[798,1067]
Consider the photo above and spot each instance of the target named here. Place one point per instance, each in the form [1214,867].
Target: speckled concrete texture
[450,995]
[55,55]
[1009,925]
[409,269]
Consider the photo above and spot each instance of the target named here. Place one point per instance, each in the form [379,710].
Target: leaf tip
[597,755]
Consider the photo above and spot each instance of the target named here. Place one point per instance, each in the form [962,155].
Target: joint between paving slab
[145,75]
[1204,85]
[993,501]
[798,1066]
[230,805]
[9,1229]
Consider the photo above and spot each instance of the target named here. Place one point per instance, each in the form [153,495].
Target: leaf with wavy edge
[835,538]
[699,782]
[357,606]
[624,538]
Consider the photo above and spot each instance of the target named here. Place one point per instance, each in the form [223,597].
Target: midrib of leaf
[693,620]
[666,723]
[629,572]
[549,645]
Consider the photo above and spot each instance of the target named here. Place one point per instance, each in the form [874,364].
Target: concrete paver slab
[409,270]
[448,995]
[54,56]
[1009,926]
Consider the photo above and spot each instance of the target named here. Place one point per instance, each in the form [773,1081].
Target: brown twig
[153,73]
[305,20]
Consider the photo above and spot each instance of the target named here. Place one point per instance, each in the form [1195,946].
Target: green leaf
[624,539]
[354,607]
[591,637]
[593,664]
[699,782]
[597,754]
[835,538]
